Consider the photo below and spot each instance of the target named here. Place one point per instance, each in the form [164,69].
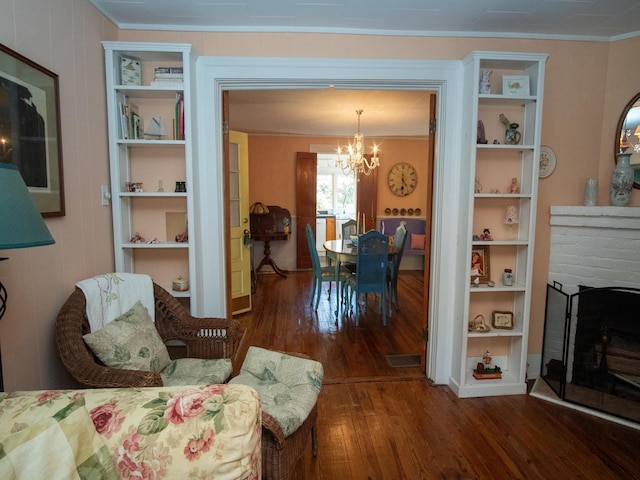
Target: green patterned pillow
[131,342]
[196,371]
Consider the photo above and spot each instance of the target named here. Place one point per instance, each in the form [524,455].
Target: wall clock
[402,179]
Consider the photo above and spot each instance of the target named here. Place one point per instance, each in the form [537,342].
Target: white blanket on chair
[112,294]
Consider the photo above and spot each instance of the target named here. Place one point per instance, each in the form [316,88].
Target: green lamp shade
[21,224]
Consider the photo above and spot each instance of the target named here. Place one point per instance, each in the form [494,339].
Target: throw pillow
[417,241]
[131,342]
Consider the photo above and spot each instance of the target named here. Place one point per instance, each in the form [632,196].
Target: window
[335,191]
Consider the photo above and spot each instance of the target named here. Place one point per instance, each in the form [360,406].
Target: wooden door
[429,216]
[367,198]
[306,170]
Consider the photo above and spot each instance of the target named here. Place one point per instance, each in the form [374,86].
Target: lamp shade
[21,224]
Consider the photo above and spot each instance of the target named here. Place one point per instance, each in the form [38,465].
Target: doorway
[444,77]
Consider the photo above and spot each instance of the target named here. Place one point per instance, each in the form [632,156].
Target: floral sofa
[204,431]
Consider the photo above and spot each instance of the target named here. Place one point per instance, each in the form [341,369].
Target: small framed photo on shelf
[515,85]
[503,320]
[480,271]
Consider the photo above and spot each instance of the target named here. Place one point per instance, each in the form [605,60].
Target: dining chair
[323,274]
[372,263]
[349,228]
[399,239]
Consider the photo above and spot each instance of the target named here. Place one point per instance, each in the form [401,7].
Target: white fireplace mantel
[595,246]
[596,217]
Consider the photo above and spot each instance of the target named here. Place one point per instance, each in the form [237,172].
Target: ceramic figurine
[485,86]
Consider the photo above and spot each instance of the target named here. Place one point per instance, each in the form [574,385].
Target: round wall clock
[402,179]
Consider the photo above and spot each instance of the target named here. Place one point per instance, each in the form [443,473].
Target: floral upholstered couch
[185,432]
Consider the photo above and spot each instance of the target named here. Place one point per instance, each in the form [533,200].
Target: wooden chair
[399,240]
[206,338]
[322,274]
[372,263]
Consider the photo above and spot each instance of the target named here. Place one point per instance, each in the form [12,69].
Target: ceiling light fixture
[357,161]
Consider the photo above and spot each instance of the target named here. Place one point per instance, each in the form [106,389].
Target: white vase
[622,181]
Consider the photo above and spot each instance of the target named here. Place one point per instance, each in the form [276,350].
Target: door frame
[451,179]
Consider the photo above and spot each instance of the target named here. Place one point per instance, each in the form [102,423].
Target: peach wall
[278,187]
[587,85]
[66,40]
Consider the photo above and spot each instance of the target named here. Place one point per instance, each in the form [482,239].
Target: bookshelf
[150,155]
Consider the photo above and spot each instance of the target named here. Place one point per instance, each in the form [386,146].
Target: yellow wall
[587,85]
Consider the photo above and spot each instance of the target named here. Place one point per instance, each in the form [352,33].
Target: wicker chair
[205,338]
[280,454]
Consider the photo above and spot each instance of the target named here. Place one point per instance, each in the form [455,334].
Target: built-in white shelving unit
[157,213]
[492,168]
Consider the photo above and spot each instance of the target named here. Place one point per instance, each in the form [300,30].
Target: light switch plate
[105,195]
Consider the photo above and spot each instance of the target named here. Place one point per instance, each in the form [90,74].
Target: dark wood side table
[267,238]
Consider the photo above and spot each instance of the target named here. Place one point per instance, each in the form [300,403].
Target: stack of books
[168,76]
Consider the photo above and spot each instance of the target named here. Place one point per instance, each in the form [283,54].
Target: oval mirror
[628,136]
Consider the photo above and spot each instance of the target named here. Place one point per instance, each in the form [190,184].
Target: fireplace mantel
[596,217]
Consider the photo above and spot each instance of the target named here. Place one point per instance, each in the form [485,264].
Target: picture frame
[515,85]
[502,320]
[480,264]
[30,134]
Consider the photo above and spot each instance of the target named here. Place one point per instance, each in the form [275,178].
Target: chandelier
[356,162]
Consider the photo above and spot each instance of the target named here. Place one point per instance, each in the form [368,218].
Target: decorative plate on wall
[547,161]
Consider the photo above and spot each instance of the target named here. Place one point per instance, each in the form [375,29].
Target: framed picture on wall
[30,128]
[480,265]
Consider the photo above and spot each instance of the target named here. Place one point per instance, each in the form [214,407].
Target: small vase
[622,181]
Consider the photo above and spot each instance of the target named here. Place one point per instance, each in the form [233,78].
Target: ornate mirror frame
[628,123]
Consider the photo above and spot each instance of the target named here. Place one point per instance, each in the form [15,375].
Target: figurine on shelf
[137,238]
[478,188]
[486,235]
[182,237]
[515,186]
[486,357]
[482,138]
[485,86]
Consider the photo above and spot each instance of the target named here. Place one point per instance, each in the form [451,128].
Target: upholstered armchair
[204,338]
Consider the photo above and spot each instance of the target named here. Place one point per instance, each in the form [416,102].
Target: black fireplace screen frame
[578,330]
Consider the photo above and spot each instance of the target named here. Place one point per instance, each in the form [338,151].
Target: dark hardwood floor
[376,422]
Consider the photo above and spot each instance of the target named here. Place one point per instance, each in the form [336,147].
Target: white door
[239,222]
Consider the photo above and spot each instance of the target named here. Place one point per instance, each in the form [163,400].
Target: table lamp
[21,225]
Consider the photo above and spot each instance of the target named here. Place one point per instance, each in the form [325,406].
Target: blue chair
[399,240]
[372,264]
[322,274]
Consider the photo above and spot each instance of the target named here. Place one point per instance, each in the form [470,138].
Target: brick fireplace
[595,247]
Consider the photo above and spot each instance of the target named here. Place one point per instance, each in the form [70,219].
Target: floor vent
[397,361]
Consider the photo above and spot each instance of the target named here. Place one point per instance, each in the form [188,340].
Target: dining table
[344,251]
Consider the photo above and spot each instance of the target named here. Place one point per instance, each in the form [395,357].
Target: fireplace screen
[591,348]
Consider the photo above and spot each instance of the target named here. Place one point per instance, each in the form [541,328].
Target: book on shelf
[168,70]
[178,123]
[168,75]
[131,123]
